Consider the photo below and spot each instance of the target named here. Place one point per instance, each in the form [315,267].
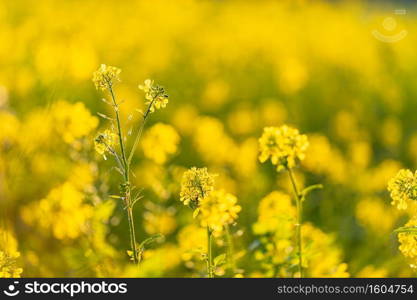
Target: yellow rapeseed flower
[154,94]
[403,188]
[196,184]
[105,141]
[9,255]
[105,76]
[218,209]
[284,145]
[8,265]
[408,241]
[375,215]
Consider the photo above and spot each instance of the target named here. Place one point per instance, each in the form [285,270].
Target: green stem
[230,251]
[119,131]
[210,272]
[126,185]
[139,134]
[132,234]
[298,201]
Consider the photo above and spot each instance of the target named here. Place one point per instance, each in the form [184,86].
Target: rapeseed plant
[104,79]
[51,191]
[9,256]
[403,192]
[286,147]
[215,209]
[276,228]
[8,265]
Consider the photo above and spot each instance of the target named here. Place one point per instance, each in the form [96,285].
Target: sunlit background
[344,73]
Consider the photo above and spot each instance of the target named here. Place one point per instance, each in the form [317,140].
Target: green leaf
[412,229]
[104,116]
[309,189]
[150,240]
[219,260]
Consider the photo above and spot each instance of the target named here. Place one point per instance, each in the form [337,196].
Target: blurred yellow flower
[157,262]
[192,240]
[375,216]
[159,142]
[321,151]
[62,212]
[329,265]
[159,221]
[209,132]
[284,145]
[218,209]
[9,128]
[72,121]
[276,214]
[372,272]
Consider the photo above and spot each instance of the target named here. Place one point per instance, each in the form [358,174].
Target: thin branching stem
[126,185]
[298,200]
[119,132]
[139,134]
[210,272]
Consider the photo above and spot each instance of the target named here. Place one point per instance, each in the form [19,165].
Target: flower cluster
[218,209]
[284,145]
[105,141]
[196,184]
[105,76]
[403,188]
[408,241]
[155,95]
[8,265]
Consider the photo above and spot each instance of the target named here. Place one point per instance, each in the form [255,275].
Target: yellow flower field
[199,138]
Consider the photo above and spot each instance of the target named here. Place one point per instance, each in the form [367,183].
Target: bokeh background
[344,73]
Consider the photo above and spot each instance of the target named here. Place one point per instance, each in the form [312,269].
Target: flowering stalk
[286,147]
[126,184]
[104,78]
[403,192]
[298,200]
